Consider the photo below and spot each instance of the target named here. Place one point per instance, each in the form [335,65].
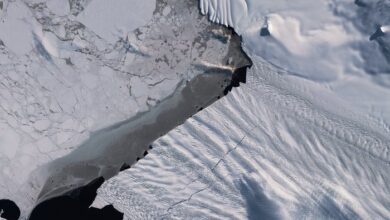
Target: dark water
[75,205]
[9,210]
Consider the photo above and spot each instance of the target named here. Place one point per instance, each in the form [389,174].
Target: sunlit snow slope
[343,44]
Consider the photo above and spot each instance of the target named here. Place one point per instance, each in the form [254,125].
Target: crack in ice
[212,170]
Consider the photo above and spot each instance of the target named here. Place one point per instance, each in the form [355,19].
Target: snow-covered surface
[61,79]
[279,147]
[324,41]
[114,20]
[385,29]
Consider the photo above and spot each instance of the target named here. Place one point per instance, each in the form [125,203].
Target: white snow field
[325,41]
[307,137]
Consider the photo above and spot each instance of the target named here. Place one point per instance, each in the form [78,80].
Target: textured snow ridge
[63,78]
[269,150]
[226,12]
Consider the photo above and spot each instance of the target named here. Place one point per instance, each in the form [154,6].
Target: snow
[59,7]
[15,31]
[385,29]
[324,41]
[115,20]
[226,12]
[9,141]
